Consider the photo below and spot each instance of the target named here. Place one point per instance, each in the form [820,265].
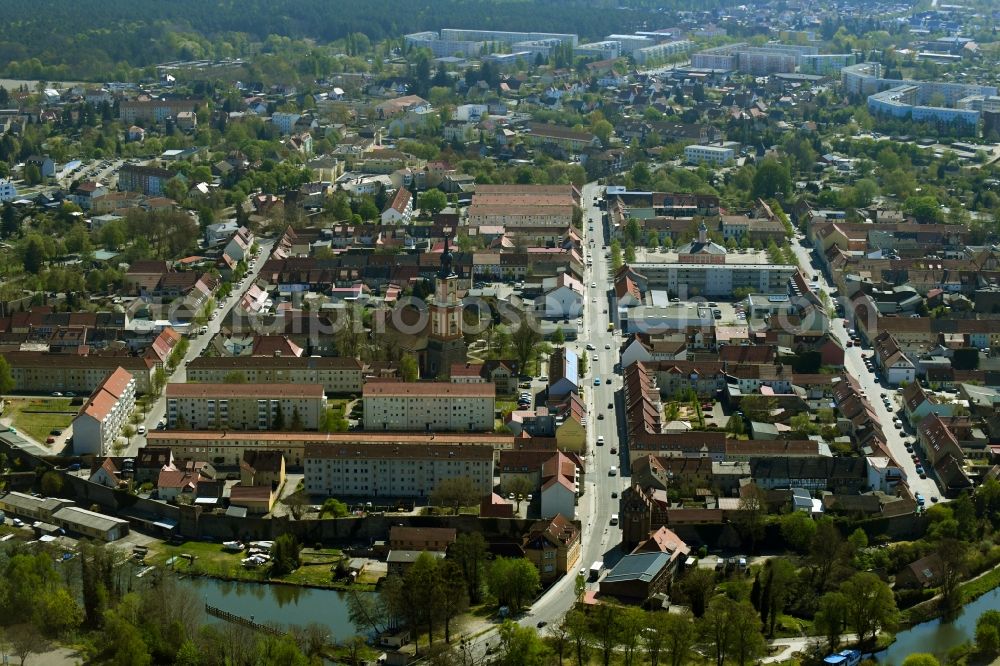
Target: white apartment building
[229,448]
[401,470]
[336,375]
[7,190]
[107,411]
[429,406]
[245,406]
[285,122]
[716,154]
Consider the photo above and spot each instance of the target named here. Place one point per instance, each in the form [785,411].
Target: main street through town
[197,346]
[600,540]
[854,364]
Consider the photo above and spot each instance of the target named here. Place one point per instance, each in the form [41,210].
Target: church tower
[445,343]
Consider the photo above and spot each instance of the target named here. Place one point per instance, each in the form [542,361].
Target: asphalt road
[600,540]
[854,364]
[158,409]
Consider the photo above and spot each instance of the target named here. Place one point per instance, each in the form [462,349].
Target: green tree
[798,529]
[605,629]
[470,552]
[831,618]
[520,646]
[408,369]
[285,555]
[525,341]
[51,484]
[771,180]
[988,633]
[455,596]
[697,585]
[175,189]
[33,254]
[630,253]
[558,338]
[871,606]
[603,130]
[679,637]
[921,659]
[455,492]
[513,582]
[334,507]
[433,201]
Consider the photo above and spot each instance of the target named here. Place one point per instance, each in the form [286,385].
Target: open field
[211,560]
[36,417]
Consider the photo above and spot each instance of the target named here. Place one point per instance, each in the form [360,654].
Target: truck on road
[595,569]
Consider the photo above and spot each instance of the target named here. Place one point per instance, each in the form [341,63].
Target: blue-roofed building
[564,373]
[638,577]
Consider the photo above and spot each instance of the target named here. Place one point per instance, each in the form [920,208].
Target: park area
[317,568]
[37,417]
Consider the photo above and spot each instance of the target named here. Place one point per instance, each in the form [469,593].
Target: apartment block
[337,376]
[245,406]
[43,372]
[147,180]
[429,406]
[101,420]
[721,154]
[665,50]
[404,470]
[153,110]
[713,276]
[7,190]
[523,206]
[227,449]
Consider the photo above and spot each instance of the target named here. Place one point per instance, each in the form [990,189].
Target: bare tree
[25,640]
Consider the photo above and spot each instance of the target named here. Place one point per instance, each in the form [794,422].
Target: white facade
[558,497]
[7,190]
[285,122]
[105,414]
[559,303]
[720,155]
[385,470]
[429,406]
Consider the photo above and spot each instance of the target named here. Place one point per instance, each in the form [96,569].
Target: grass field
[211,560]
[36,417]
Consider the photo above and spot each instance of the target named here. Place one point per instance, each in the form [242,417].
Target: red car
[50,440]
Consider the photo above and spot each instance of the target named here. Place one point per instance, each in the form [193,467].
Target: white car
[593,285]
[141,430]
[596,357]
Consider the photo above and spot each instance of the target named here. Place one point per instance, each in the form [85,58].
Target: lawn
[36,417]
[211,560]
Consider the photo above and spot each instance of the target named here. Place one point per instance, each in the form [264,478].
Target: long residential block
[336,375]
[227,448]
[404,470]
[44,372]
[429,406]
[245,406]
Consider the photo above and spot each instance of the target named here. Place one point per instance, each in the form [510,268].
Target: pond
[281,604]
[938,636]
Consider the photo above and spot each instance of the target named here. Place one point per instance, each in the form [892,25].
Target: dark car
[608,380]
[600,417]
[611,405]
[541,623]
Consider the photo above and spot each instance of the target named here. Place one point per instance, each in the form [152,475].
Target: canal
[285,605]
[939,636]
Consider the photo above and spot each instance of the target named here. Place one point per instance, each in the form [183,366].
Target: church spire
[446,261]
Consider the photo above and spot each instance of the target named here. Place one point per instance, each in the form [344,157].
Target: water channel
[288,605]
[938,636]
[281,604]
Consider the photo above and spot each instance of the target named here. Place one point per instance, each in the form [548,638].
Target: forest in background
[111,39]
